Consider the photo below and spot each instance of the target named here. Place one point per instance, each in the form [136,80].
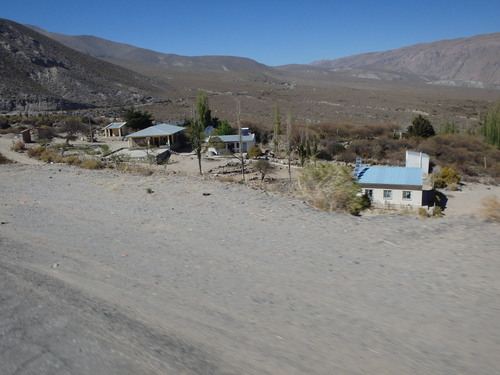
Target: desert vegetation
[332,188]
[464,151]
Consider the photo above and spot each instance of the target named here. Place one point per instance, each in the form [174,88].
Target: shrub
[36,152]
[72,160]
[447,177]
[264,167]
[491,208]
[50,157]
[91,164]
[254,151]
[331,188]
[18,146]
[437,211]
[423,212]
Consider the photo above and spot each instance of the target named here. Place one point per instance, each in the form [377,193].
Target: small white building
[233,142]
[392,186]
[417,160]
[116,129]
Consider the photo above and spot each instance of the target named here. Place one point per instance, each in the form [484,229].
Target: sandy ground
[203,277]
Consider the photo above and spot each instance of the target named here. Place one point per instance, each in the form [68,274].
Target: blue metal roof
[391,176]
[157,131]
[234,138]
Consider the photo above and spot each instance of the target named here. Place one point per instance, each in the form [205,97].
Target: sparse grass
[491,208]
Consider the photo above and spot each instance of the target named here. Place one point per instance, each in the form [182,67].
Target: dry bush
[72,160]
[91,164]
[254,151]
[331,187]
[35,152]
[18,146]
[51,157]
[491,208]
[264,167]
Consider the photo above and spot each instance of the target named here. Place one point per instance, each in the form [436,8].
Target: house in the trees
[232,142]
[159,135]
[116,129]
[392,186]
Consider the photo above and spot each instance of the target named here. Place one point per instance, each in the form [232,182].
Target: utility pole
[289,143]
[91,132]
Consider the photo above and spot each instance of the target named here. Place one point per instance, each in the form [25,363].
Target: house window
[369,193]
[387,194]
[407,195]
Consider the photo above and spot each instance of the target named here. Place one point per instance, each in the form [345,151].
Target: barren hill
[473,61]
[120,53]
[38,73]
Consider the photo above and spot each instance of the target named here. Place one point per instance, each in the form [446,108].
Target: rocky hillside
[38,73]
[473,61]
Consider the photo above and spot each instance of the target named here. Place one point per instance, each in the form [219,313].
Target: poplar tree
[491,126]
[277,129]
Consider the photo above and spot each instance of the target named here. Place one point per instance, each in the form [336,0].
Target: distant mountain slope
[116,52]
[38,73]
[471,61]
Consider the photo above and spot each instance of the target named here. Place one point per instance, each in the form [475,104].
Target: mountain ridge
[468,61]
[474,60]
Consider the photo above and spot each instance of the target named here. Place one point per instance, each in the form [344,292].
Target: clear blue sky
[273,32]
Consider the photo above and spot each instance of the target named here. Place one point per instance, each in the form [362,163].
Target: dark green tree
[203,111]
[224,129]
[137,120]
[420,127]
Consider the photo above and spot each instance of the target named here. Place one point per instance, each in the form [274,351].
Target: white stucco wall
[397,199]
[417,160]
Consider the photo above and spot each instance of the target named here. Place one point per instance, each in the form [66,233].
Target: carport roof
[159,130]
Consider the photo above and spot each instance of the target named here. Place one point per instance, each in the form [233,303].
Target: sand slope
[207,277]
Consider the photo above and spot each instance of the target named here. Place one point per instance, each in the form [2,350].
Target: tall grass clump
[331,187]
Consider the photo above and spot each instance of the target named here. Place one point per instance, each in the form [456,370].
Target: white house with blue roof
[232,142]
[392,186]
